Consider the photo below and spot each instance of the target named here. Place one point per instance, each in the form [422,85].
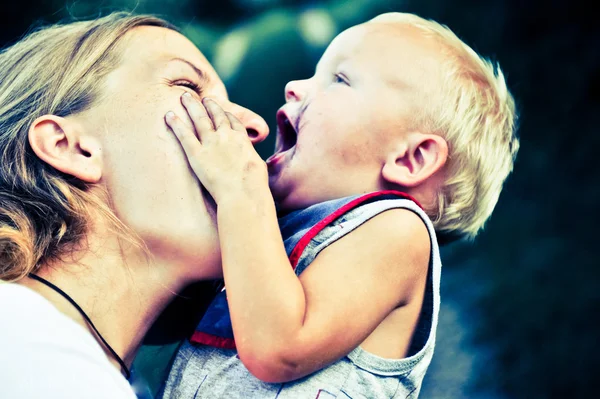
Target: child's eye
[338,78]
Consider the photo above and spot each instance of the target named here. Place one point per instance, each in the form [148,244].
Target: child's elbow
[270,366]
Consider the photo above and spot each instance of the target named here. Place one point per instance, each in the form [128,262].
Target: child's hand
[219,151]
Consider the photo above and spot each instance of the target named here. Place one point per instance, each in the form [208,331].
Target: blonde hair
[56,70]
[476,115]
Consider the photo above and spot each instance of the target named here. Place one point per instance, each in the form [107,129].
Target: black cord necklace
[85,316]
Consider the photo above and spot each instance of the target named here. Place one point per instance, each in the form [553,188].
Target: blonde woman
[101,218]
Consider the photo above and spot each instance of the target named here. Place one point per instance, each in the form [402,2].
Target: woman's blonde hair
[56,70]
[476,115]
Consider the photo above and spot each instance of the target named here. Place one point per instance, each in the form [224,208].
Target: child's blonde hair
[57,70]
[476,115]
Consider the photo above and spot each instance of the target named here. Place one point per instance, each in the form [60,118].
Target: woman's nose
[255,125]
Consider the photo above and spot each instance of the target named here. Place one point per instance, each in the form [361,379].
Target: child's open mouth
[286,139]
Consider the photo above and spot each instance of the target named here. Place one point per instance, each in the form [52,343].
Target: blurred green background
[521,304]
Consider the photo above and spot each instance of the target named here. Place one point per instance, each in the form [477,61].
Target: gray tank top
[209,372]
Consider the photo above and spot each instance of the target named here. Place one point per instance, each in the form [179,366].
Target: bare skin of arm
[287,326]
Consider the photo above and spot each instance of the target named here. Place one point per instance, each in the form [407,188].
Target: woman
[101,220]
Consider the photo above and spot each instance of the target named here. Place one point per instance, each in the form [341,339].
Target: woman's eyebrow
[204,79]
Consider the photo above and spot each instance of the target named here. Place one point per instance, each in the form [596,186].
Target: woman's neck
[122,293]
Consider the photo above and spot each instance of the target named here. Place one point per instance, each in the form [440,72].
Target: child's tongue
[276,161]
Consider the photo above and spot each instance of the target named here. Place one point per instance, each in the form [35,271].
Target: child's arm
[286,327]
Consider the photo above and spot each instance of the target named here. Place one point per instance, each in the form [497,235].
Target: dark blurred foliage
[520,316]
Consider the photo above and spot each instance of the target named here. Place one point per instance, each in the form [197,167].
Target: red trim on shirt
[316,229]
[200,337]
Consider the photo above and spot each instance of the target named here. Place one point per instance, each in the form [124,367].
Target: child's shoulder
[395,244]
[399,222]
[390,225]
[398,233]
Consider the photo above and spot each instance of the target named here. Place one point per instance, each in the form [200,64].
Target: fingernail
[207,99]
[187,95]
[170,115]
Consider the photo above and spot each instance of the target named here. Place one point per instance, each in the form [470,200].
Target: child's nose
[294,91]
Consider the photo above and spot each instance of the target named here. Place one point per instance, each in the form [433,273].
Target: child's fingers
[186,137]
[200,119]
[235,122]
[216,113]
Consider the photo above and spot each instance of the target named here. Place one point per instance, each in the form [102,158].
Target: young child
[402,134]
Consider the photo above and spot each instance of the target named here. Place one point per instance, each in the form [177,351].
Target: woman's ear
[62,144]
[418,157]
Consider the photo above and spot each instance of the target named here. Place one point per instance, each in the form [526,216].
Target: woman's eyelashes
[190,85]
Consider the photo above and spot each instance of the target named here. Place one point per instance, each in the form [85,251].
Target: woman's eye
[190,85]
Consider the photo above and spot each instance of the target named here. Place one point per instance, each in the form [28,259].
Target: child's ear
[62,144]
[418,157]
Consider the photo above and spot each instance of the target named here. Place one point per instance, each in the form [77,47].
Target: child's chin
[277,187]
[283,202]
